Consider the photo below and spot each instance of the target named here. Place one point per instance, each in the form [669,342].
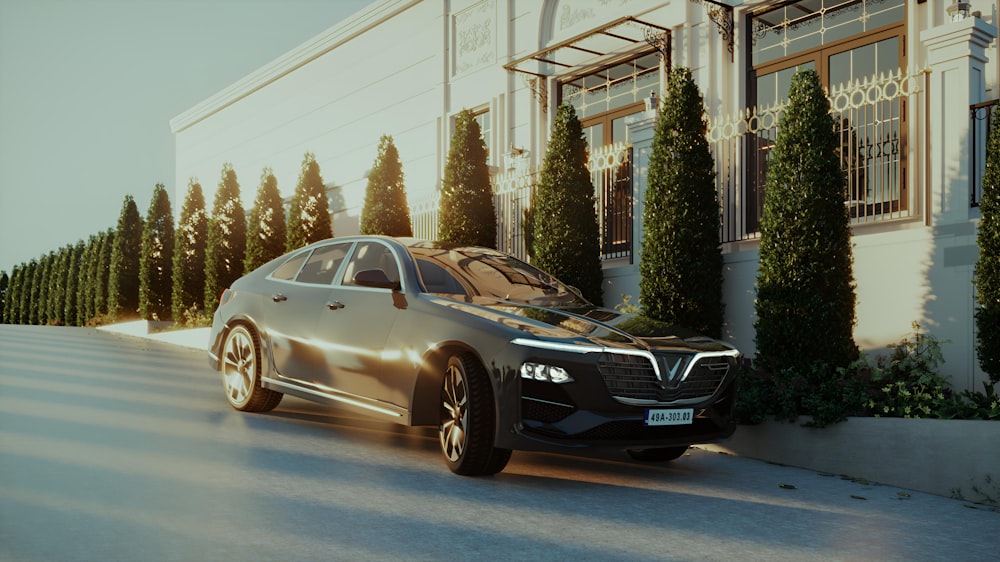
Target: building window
[602,100]
[482,117]
[851,44]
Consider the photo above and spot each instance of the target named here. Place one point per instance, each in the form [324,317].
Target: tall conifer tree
[565,233]
[467,214]
[988,265]
[227,239]
[4,290]
[309,216]
[123,279]
[191,238]
[385,211]
[10,313]
[27,287]
[101,277]
[266,231]
[157,258]
[681,259]
[87,285]
[74,280]
[805,286]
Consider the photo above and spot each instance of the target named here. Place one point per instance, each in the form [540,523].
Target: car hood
[588,325]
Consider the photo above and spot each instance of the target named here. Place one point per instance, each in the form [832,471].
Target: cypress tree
[467,214]
[805,287]
[57,285]
[681,263]
[40,277]
[123,278]
[11,311]
[191,239]
[87,286]
[309,216]
[101,277]
[988,265]
[4,288]
[75,283]
[266,231]
[27,287]
[227,239]
[10,296]
[157,258]
[565,233]
[385,211]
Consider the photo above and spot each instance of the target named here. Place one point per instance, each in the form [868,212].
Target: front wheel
[467,420]
[657,455]
[241,368]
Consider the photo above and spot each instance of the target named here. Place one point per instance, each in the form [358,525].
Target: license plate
[669,417]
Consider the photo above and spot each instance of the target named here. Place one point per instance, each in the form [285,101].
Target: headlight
[547,373]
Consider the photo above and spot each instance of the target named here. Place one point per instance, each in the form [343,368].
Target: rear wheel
[241,368]
[657,455]
[467,420]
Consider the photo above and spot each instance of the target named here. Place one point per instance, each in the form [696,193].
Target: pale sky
[87,91]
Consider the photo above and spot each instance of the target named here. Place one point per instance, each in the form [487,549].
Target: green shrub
[309,212]
[805,290]
[565,237]
[467,213]
[681,262]
[226,246]
[386,211]
[988,266]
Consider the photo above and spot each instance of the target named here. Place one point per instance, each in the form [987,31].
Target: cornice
[362,21]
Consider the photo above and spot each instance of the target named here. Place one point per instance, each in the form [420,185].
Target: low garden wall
[943,457]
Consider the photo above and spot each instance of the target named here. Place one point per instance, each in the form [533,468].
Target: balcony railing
[871,118]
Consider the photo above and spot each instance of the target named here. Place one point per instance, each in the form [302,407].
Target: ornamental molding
[475,37]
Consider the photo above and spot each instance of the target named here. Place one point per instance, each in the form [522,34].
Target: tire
[241,368]
[467,427]
[657,455]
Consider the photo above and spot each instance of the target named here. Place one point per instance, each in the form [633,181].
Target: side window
[438,280]
[323,264]
[371,255]
[287,270]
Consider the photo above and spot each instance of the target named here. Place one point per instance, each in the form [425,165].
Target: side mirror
[375,278]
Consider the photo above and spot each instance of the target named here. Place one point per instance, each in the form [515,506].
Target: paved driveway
[118,448]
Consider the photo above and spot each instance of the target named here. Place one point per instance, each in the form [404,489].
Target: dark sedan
[496,353]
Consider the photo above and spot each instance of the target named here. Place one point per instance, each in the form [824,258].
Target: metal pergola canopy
[593,48]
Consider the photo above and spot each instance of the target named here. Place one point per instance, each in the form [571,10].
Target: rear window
[287,270]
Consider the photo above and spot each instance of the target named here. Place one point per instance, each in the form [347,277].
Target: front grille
[628,376]
[633,377]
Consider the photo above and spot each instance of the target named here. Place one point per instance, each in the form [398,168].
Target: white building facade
[904,79]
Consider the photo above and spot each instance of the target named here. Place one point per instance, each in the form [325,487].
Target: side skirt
[367,406]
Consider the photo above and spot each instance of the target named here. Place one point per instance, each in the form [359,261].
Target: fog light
[547,373]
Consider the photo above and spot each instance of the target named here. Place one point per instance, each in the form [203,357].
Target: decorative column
[957,58]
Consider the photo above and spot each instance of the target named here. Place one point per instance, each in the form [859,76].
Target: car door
[297,301]
[358,322]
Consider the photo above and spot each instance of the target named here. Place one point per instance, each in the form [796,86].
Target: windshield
[468,271]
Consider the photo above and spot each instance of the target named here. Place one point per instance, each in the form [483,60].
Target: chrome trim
[560,404]
[583,349]
[336,397]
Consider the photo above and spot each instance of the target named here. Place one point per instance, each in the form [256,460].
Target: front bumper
[544,416]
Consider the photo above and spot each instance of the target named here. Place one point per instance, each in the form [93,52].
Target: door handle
[279,298]
[335,305]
